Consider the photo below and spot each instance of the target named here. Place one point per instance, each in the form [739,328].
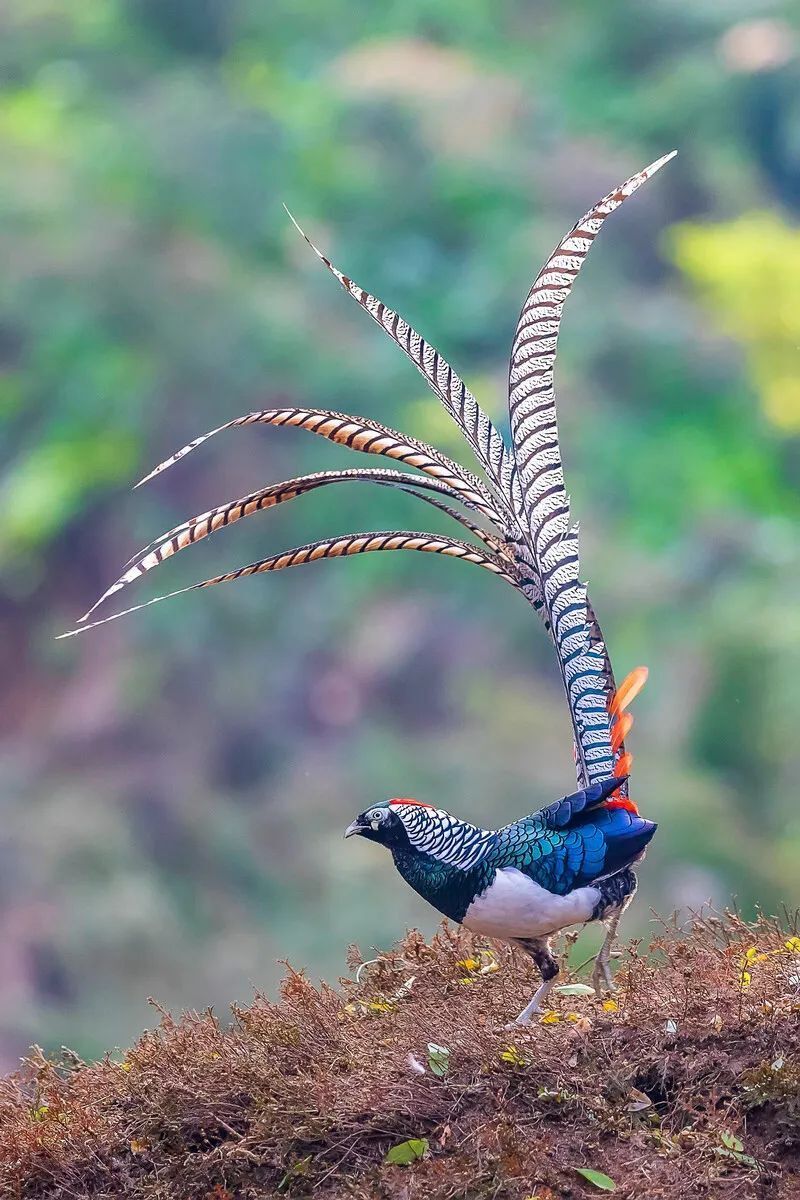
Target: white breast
[514,906]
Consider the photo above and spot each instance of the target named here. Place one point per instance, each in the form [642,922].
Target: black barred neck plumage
[438,833]
[438,855]
[411,827]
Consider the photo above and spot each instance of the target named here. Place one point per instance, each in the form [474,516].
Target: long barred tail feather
[541,501]
[485,440]
[339,547]
[187,449]
[278,493]
[487,443]
[533,541]
[358,433]
[197,528]
[495,543]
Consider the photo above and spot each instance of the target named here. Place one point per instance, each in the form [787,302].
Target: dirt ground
[405,1084]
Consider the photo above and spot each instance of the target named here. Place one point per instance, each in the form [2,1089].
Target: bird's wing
[605,841]
[577,840]
[562,813]
[541,504]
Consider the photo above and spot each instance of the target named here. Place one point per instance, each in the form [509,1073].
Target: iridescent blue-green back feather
[571,844]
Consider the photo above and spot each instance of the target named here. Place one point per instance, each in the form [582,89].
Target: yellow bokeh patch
[747,272]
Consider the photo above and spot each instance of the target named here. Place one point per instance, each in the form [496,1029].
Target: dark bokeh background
[173,787]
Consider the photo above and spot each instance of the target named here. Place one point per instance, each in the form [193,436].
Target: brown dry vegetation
[689,1087]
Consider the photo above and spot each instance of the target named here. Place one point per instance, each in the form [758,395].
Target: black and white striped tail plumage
[519,511]
[548,527]
[485,441]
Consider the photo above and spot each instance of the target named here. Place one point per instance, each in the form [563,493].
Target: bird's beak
[352,828]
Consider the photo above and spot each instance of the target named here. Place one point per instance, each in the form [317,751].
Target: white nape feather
[438,833]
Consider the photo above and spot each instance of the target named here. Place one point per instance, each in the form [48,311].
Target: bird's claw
[524,1019]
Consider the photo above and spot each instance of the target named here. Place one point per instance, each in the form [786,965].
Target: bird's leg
[539,950]
[616,894]
[602,963]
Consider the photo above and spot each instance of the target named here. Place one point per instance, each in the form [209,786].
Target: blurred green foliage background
[173,788]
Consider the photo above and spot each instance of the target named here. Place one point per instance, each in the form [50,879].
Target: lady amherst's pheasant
[571,862]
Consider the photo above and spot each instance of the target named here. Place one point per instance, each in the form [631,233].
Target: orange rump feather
[628,690]
[625,694]
[622,727]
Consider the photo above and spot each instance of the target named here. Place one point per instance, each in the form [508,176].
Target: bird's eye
[376,814]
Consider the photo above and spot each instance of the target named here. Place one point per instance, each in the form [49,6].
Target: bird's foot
[534,1008]
[525,1018]
[601,975]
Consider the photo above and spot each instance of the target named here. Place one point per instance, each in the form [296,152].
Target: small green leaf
[597,1178]
[407,1152]
[438,1059]
[747,1160]
[575,989]
[298,1168]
